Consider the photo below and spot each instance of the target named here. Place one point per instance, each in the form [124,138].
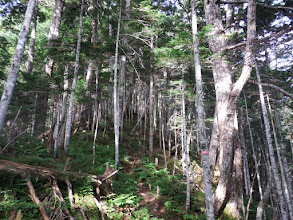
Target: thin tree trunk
[285,184]
[253,150]
[274,167]
[185,149]
[283,149]
[115,94]
[13,72]
[261,205]
[76,69]
[151,117]
[245,161]
[31,51]
[122,72]
[57,127]
[203,142]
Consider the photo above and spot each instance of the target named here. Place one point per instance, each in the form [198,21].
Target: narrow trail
[149,200]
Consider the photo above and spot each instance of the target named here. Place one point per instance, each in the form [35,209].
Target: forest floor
[141,190]
[148,200]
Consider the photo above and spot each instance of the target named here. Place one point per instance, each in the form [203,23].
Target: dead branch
[290,95]
[36,200]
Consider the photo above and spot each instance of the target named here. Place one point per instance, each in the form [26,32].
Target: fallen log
[102,184]
[39,171]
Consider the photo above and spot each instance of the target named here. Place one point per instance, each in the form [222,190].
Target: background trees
[173,89]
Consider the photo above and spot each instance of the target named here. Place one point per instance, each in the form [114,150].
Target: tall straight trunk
[115,94]
[274,167]
[283,150]
[31,50]
[261,205]
[57,127]
[184,141]
[13,72]
[74,82]
[203,142]
[43,96]
[151,116]
[30,61]
[91,65]
[253,150]
[61,135]
[122,72]
[286,186]
[245,161]
[227,92]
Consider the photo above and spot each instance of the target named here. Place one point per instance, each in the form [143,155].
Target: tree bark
[274,167]
[261,205]
[31,51]
[151,116]
[203,142]
[76,69]
[185,149]
[116,94]
[36,200]
[13,72]
[227,93]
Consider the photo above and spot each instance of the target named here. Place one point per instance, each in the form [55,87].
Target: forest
[146,109]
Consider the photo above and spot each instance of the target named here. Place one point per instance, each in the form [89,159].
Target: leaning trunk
[13,72]
[274,167]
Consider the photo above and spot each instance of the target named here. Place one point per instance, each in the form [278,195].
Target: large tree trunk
[13,72]
[203,142]
[227,92]
[76,69]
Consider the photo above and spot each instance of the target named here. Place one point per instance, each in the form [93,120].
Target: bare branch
[274,87]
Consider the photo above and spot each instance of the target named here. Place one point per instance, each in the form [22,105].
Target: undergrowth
[124,203]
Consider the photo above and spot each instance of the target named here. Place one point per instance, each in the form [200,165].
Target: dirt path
[148,198]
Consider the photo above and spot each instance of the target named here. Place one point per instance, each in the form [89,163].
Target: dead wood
[58,195]
[39,171]
[36,200]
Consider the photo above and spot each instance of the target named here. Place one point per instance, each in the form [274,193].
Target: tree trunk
[286,187]
[274,167]
[122,72]
[185,149]
[246,174]
[261,205]
[203,142]
[283,150]
[254,155]
[57,127]
[227,93]
[115,94]
[151,117]
[76,69]
[13,72]
[31,51]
